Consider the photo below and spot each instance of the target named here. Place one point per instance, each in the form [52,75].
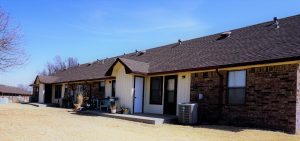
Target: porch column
[41,93]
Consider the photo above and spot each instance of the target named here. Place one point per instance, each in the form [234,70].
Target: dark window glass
[156,90]
[58,91]
[113,91]
[102,87]
[236,87]
[236,95]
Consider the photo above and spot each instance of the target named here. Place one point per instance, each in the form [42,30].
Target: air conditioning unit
[187,113]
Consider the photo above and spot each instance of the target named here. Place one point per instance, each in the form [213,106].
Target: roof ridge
[248,44]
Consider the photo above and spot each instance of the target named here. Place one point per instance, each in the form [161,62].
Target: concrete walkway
[144,118]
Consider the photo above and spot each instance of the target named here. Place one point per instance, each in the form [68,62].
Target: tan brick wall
[270,98]
[298,102]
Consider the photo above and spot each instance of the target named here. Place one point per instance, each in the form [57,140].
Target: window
[102,87]
[79,89]
[57,91]
[236,87]
[113,86]
[205,75]
[66,89]
[156,85]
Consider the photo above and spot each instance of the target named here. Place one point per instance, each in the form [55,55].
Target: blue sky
[97,29]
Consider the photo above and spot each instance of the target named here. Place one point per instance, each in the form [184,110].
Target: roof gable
[131,66]
[36,81]
[47,79]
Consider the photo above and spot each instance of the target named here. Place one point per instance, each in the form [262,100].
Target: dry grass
[27,123]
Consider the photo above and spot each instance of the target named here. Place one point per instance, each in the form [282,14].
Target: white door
[138,94]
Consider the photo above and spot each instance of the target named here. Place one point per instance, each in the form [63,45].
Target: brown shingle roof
[255,44]
[48,79]
[131,66]
[13,90]
[136,66]
[89,71]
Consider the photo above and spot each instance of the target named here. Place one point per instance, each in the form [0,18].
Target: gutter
[263,62]
[85,80]
[220,96]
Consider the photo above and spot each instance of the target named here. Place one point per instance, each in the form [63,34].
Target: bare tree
[44,72]
[25,87]
[59,64]
[11,55]
[50,68]
[72,62]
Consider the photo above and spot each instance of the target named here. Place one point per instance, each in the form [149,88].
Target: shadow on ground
[83,114]
[222,127]
[213,127]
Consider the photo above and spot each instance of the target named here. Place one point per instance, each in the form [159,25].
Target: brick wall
[270,98]
[208,85]
[298,102]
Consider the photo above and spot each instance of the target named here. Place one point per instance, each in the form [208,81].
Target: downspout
[221,90]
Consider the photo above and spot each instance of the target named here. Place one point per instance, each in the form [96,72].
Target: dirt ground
[20,122]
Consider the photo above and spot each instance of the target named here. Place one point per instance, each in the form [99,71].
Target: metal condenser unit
[187,113]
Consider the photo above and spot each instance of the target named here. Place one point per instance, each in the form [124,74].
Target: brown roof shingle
[13,90]
[48,79]
[253,44]
[89,71]
[131,66]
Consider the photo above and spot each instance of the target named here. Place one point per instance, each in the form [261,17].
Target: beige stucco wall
[41,93]
[124,86]
[151,108]
[183,92]
[183,89]
[108,88]
[125,90]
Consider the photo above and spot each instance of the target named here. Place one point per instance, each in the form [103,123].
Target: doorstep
[43,104]
[143,118]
